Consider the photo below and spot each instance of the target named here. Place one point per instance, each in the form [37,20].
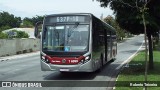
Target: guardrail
[17,46]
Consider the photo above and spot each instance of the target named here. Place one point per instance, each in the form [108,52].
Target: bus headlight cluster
[45,59]
[85,59]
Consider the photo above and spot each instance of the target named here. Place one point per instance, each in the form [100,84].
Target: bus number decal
[73,61]
[67,19]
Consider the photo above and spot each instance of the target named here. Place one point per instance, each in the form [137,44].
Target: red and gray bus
[75,42]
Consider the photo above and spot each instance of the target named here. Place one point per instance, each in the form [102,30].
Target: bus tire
[101,59]
[113,59]
[63,73]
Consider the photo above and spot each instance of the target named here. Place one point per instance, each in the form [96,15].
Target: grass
[135,72]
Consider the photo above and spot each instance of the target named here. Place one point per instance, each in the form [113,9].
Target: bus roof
[69,14]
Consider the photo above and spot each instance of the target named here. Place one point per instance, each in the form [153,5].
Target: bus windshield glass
[66,38]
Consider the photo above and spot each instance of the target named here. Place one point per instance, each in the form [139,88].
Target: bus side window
[94,35]
[108,38]
[101,36]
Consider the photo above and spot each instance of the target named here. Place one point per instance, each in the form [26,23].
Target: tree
[111,21]
[138,12]
[27,22]
[30,22]
[37,19]
[142,17]
[9,20]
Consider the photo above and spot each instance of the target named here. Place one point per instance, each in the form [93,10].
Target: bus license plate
[64,69]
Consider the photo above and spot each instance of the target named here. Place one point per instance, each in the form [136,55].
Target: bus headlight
[85,59]
[45,59]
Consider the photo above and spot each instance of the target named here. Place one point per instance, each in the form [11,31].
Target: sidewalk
[19,56]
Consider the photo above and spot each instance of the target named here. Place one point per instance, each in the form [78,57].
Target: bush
[4,28]
[3,35]
[20,34]
[27,24]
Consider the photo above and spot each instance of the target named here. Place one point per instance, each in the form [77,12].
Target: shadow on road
[108,70]
[70,76]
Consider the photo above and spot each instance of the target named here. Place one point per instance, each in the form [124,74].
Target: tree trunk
[151,65]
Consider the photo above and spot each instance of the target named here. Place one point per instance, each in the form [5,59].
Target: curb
[19,56]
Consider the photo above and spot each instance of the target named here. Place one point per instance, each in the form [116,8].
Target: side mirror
[38,29]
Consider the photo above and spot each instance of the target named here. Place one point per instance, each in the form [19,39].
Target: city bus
[75,42]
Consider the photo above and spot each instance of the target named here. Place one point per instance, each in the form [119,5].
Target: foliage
[20,34]
[37,19]
[4,28]
[111,21]
[3,35]
[30,22]
[128,14]
[134,71]
[8,20]
[137,16]
[27,23]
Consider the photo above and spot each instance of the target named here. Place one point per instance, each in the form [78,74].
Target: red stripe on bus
[64,60]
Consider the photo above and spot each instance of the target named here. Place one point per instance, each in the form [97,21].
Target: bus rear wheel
[113,59]
[102,58]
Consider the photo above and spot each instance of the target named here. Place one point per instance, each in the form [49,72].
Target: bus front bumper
[86,67]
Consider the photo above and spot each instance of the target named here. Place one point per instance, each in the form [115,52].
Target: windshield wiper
[72,29]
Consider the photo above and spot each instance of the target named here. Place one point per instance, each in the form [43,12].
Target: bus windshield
[66,38]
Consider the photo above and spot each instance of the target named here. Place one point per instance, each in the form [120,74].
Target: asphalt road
[28,69]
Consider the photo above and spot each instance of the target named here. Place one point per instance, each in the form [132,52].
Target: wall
[18,46]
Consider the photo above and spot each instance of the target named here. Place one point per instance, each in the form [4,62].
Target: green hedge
[19,34]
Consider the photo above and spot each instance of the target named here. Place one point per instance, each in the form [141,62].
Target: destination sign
[69,19]
[60,19]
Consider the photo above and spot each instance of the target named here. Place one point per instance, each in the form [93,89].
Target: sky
[31,8]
